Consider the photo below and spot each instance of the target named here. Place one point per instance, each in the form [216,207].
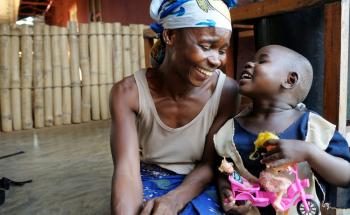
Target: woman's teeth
[205,72]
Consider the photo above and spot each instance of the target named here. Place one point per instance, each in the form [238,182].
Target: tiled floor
[71,169]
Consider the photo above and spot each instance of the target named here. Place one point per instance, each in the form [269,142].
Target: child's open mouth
[246,75]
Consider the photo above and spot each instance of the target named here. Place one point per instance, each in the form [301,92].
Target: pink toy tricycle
[295,195]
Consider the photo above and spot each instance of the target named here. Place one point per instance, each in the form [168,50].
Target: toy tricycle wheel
[314,209]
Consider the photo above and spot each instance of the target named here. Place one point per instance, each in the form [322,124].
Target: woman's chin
[196,78]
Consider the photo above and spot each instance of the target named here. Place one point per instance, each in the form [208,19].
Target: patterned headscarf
[173,14]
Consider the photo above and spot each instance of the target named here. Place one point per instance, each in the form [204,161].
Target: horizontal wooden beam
[270,7]
[34,3]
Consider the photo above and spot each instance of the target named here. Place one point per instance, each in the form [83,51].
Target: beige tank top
[175,149]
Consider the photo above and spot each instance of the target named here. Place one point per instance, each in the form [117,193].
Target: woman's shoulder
[126,92]
[229,95]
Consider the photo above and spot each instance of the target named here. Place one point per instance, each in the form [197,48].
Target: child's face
[262,78]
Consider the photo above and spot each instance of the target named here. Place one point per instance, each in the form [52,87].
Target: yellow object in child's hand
[259,143]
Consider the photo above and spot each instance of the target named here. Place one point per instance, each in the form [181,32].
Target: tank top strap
[215,101]
[142,88]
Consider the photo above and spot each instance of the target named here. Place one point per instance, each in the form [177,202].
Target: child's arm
[333,169]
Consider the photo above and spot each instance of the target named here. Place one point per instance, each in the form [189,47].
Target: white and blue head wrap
[173,14]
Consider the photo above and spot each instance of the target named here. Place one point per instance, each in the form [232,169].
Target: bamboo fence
[52,75]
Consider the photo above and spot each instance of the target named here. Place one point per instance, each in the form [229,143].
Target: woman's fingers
[147,207]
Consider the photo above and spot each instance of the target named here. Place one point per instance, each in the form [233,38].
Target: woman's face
[198,52]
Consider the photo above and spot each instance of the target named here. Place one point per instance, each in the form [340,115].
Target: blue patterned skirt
[158,181]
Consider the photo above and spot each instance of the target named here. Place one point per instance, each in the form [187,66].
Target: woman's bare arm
[126,195]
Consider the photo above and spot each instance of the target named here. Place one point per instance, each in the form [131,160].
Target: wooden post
[102,71]
[38,77]
[141,46]
[135,61]
[85,71]
[117,53]
[332,43]
[48,77]
[5,99]
[26,76]
[66,81]
[57,76]
[126,51]
[109,58]
[74,73]
[95,103]
[15,80]
[148,38]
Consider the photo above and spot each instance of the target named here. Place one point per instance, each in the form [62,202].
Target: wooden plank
[270,7]
[344,65]
[148,36]
[332,23]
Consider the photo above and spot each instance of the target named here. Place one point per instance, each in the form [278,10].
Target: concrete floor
[71,169]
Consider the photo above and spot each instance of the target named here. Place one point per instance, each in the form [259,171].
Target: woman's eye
[262,61]
[204,47]
[222,52]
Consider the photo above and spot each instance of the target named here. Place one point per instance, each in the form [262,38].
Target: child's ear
[291,81]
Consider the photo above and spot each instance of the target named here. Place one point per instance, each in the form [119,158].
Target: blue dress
[243,139]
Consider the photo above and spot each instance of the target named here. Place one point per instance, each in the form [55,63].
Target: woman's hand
[161,205]
[285,152]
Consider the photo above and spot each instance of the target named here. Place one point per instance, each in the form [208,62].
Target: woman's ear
[291,81]
[168,36]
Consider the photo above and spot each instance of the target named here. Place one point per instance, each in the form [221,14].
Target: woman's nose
[214,60]
[249,65]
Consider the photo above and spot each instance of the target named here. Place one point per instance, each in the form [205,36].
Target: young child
[277,81]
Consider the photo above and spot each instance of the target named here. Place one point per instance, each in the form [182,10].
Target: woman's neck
[173,83]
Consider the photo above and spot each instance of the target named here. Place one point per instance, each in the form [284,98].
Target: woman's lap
[157,182]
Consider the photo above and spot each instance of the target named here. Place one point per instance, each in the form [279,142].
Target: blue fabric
[158,181]
[244,139]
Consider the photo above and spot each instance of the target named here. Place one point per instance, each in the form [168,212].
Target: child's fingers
[239,209]
[278,163]
[227,195]
[271,143]
[272,157]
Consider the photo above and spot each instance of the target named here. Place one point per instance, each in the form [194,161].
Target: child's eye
[262,61]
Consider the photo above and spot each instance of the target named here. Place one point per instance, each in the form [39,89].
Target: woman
[163,118]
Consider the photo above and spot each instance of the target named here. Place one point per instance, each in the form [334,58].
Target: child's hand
[229,205]
[285,152]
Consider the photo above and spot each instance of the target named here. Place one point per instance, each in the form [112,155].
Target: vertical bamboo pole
[117,53]
[57,76]
[95,103]
[15,80]
[135,61]
[126,51]
[102,71]
[109,52]
[5,99]
[66,81]
[47,78]
[85,70]
[38,76]
[26,76]
[75,76]
[141,46]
